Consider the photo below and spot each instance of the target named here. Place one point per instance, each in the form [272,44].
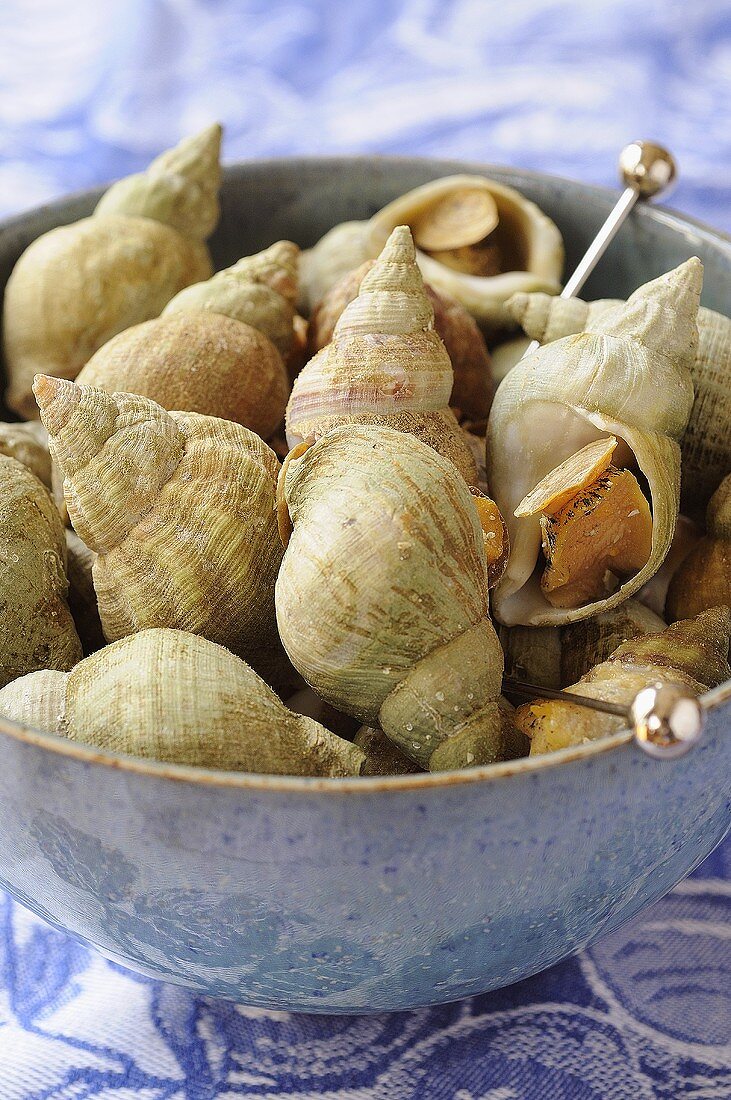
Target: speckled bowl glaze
[372,894]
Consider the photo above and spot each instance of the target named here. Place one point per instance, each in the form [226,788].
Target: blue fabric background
[89,91]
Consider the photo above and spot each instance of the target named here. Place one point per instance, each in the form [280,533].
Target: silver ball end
[647,168]
[667,720]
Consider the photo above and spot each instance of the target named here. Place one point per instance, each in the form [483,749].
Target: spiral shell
[511,246]
[179,188]
[692,653]
[705,445]
[78,285]
[28,444]
[382,597]
[473,387]
[212,351]
[385,365]
[172,696]
[259,290]
[179,509]
[36,627]
[524,251]
[342,249]
[631,381]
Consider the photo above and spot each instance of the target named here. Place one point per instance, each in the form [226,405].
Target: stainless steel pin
[646,169]
[666,719]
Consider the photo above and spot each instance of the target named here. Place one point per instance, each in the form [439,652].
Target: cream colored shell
[523,228]
[385,364]
[341,250]
[382,597]
[36,627]
[179,188]
[473,387]
[200,362]
[37,700]
[76,286]
[631,381]
[218,347]
[179,509]
[505,356]
[705,445]
[172,696]
[692,653]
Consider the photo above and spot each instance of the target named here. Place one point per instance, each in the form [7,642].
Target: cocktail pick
[646,169]
[666,720]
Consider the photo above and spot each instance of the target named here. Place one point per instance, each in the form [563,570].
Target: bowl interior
[301,198]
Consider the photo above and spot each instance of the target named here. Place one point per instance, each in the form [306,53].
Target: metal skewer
[646,169]
[666,720]
[531,690]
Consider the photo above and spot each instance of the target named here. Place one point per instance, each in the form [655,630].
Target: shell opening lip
[284,520]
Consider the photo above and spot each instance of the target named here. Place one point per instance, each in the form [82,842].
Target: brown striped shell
[385,364]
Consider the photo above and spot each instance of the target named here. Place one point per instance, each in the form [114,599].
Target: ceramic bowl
[364,894]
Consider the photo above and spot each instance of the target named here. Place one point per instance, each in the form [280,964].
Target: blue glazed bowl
[365,894]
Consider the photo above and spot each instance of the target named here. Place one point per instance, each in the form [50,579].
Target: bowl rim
[214,777]
[346,785]
[663,213]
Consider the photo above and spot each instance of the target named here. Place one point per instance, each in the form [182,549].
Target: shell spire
[547,317]
[662,314]
[88,431]
[706,442]
[392,298]
[259,290]
[179,188]
[276,267]
[652,315]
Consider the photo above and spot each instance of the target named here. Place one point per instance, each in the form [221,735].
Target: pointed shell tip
[400,246]
[47,388]
[55,398]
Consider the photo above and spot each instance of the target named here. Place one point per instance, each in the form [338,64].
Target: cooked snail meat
[595,522]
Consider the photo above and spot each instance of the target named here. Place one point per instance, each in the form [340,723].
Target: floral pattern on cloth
[645,1013]
[90,92]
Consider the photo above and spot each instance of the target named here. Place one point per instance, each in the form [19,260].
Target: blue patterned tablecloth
[89,91]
